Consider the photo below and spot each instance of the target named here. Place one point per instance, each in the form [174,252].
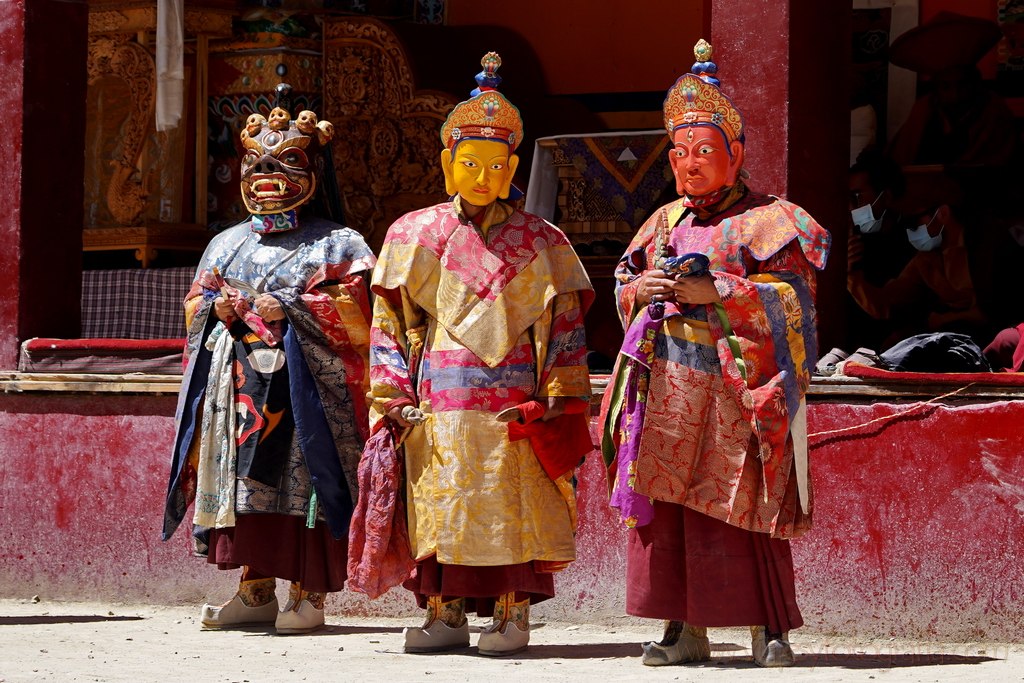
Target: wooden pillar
[785,64]
[42,92]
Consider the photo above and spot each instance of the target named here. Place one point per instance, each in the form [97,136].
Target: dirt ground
[53,641]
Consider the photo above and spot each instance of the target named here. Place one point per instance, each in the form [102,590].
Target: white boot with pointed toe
[301,618]
[770,652]
[496,641]
[236,613]
[436,635]
[682,643]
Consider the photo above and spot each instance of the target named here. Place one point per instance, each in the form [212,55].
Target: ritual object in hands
[687,265]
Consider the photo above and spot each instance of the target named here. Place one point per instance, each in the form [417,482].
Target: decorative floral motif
[491,105]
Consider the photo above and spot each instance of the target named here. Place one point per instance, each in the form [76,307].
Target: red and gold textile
[469,321]
[683,423]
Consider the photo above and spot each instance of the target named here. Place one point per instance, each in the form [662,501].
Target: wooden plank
[18,382]
[834,389]
[824,389]
[897,390]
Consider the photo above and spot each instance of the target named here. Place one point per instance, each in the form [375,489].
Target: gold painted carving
[134,19]
[132,64]
[388,156]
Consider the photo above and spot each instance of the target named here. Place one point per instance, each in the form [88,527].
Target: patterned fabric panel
[688,342]
[485,291]
[456,380]
[477,499]
[135,304]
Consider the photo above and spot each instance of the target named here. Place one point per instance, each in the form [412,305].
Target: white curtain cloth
[170,69]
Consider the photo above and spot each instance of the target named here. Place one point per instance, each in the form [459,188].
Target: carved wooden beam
[131,18]
[131,63]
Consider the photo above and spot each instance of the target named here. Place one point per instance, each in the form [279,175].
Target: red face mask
[702,161]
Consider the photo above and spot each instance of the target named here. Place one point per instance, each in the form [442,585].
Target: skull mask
[279,166]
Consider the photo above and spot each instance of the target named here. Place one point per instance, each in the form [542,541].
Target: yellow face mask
[480,171]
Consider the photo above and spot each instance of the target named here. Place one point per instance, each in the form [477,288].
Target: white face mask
[920,238]
[864,217]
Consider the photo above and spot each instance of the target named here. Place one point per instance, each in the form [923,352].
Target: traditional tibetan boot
[681,643]
[254,603]
[509,631]
[446,627]
[303,613]
[771,649]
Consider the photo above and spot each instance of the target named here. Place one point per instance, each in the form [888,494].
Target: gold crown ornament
[487,114]
[696,99]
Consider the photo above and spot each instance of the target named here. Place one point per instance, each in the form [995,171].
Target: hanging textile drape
[170,71]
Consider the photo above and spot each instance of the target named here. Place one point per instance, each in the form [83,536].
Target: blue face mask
[864,217]
[921,240]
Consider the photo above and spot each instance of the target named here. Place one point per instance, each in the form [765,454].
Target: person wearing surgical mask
[864,216]
[934,292]
[925,237]
[876,246]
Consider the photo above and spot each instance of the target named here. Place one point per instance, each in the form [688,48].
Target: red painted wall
[12,59]
[784,64]
[919,523]
[42,91]
[589,47]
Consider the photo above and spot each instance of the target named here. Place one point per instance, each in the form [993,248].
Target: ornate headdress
[696,100]
[487,114]
[279,166]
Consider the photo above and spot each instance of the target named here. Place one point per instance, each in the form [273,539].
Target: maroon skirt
[686,566]
[281,546]
[480,586]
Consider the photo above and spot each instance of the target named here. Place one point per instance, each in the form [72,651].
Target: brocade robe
[268,412]
[681,424]
[466,325]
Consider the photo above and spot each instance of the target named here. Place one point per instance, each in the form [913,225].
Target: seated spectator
[877,246]
[876,242]
[934,292]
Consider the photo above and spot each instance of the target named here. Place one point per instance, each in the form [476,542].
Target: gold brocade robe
[468,322]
